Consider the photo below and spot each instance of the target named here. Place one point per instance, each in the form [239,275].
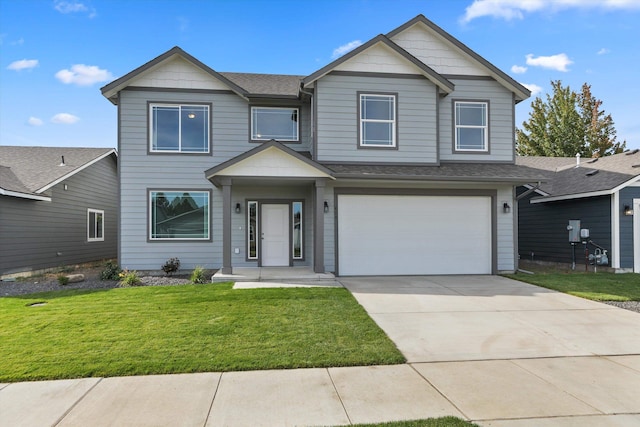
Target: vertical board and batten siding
[626,226]
[34,232]
[501,133]
[269,194]
[542,227]
[337,119]
[140,171]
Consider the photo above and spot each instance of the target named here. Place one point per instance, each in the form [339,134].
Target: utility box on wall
[574,230]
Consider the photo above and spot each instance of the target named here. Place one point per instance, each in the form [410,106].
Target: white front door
[275,235]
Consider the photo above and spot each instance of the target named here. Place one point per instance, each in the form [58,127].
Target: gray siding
[542,227]
[337,119]
[501,134]
[626,226]
[33,233]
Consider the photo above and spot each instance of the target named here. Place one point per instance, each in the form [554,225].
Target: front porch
[260,274]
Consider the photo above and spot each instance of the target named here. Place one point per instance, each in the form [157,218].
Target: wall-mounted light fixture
[506,208]
[326,207]
[628,210]
[238,208]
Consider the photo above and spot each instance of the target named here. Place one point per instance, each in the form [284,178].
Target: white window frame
[293,229]
[93,226]
[179,106]
[174,239]
[255,137]
[255,231]
[393,121]
[485,127]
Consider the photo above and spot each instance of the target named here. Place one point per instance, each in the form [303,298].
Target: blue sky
[56,54]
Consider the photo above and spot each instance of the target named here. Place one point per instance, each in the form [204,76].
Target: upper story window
[377,126]
[471,128]
[279,123]
[179,128]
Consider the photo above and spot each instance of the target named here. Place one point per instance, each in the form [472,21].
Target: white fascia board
[75,171]
[4,192]
[537,190]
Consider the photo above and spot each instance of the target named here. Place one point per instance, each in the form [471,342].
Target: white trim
[615,230]
[629,183]
[75,171]
[259,138]
[91,225]
[393,121]
[255,232]
[537,190]
[484,127]
[174,239]
[636,235]
[179,107]
[293,229]
[10,193]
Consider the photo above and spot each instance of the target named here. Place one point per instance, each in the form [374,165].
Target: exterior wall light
[628,210]
[326,207]
[506,208]
[238,208]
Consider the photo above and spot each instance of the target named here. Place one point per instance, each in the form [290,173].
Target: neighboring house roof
[444,84]
[593,177]
[29,171]
[474,172]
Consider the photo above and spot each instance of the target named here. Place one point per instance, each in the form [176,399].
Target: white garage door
[412,235]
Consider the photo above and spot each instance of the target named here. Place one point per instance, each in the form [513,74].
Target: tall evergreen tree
[566,124]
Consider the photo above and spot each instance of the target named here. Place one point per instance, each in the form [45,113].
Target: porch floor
[301,276]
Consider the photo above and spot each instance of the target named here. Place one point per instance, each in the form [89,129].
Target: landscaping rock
[75,278]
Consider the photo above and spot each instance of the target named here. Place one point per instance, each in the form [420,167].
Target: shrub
[111,272]
[129,278]
[171,266]
[63,280]
[198,275]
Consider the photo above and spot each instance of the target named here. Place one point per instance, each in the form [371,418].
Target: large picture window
[95,225]
[276,123]
[471,126]
[377,120]
[179,128]
[179,215]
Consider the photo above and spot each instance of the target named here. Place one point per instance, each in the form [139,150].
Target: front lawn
[594,286]
[190,328]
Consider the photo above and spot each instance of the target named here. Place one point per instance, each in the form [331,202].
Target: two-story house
[397,158]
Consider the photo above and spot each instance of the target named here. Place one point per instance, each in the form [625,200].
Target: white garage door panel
[396,235]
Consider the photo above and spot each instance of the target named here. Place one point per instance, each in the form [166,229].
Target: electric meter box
[584,233]
[574,230]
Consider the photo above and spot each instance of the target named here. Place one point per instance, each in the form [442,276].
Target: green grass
[594,286]
[430,422]
[190,328]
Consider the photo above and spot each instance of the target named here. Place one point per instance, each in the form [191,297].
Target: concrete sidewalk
[483,348]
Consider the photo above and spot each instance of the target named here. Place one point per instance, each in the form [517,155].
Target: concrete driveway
[506,353]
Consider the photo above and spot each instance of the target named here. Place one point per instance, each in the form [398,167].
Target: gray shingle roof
[30,169]
[266,84]
[600,174]
[474,172]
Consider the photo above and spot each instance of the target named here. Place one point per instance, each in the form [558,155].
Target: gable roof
[426,71]
[266,85]
[110,91]
[29,171]
[519,90]
[593,177]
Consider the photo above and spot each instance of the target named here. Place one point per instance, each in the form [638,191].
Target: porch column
[318,228]
[226,226]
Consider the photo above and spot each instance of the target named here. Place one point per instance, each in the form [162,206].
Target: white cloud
[603,51]
[338,52]
[64,118]
[23,64]
[73,7]
[34,121]
[83,75]
[535,89]
[516,9]
[557,62]
[518,69]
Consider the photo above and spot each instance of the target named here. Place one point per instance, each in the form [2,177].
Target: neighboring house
[58,206]
[397,158]
[603,193]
